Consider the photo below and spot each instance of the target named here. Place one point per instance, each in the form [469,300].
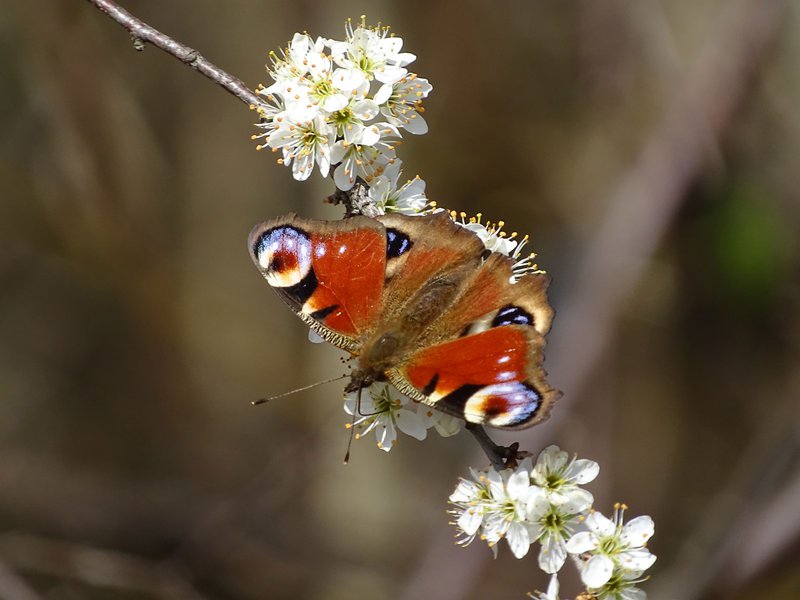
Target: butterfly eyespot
[503,404]
[284,255]
[512,315]
[397,243]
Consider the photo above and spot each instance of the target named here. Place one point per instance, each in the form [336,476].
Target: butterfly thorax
[391,343]
[375,359]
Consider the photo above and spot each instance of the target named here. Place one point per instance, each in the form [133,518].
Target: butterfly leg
[501,457]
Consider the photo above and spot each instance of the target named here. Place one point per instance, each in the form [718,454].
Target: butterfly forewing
[330,273]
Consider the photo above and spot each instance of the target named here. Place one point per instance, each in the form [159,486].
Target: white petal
[302,111]
[470,520]
[633,593]
[414,123]
[582,541]
[637,560]
[384,93]
[447,425]
[348,80]
[552,555]
[390,45]
[599,525]
[390,74]
[352,133]
[380,189]
[597,571]
[538,504]
[338,150]
[576,500]
[319,65]
[636,532]
[386,435]
[344,178]
[465,491]
[315,338]
[583,471]
[496,484]
[303,167]
[553,458]
[281,137]
[323,159]
[518,485]
[334,102]
[404,58]
[365,109]
[518,540]
[370,136]
[411,424]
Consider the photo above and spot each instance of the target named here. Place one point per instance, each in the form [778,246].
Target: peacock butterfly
[421,303]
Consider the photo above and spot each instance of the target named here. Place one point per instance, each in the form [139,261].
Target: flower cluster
[343,105]
[384,410]
[543,503]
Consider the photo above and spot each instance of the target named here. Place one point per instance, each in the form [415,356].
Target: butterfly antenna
[353,427]
[302,389]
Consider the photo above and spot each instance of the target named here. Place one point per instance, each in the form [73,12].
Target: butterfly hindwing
[481,358]
[330,273]
[493,377]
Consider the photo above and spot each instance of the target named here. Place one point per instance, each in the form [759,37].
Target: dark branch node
[501,457]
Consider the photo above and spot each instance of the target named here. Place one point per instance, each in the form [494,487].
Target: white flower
[401,102]
[366,157]
[552,590]
[471,499]
[523,265]
[552,525]
[621,586]
[271,112]
[349,120]
[512,494]
[384,410]
[409,199]
[497,504]
[372,52]
[610,545]
[303,145]
[444,424]
[559,476]
[491,234]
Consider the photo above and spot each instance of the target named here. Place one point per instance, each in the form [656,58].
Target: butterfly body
[423,305]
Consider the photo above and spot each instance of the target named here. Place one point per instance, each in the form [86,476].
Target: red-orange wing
[331,273]
[493,377]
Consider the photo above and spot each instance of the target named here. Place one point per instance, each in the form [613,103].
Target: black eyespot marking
[397,243]
[301,291]
[457,399]
[512,315]
[320,314]
[431,386]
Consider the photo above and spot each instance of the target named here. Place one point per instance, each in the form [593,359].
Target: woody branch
[143,33]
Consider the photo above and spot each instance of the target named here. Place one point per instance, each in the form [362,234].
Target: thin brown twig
[144,33]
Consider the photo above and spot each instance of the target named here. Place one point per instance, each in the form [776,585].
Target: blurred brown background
[650,147]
